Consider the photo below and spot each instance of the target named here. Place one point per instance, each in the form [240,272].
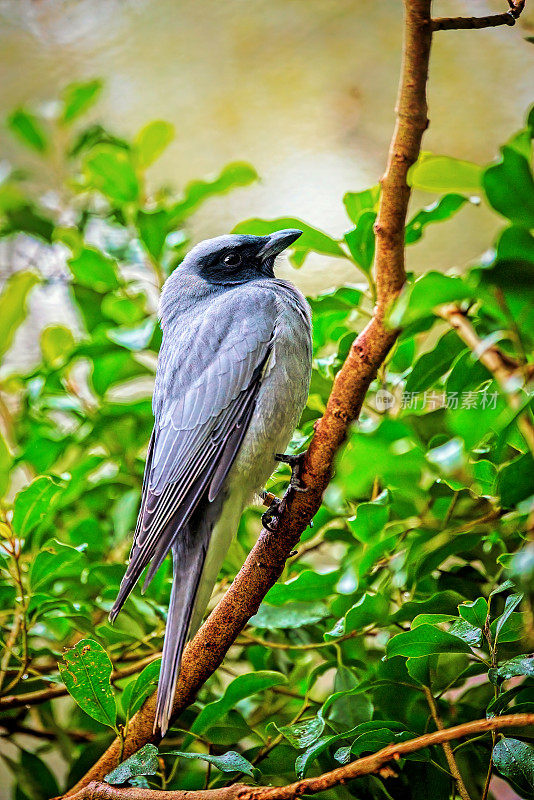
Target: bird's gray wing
[209,372]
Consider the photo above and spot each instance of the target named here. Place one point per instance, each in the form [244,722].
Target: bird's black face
[238,258]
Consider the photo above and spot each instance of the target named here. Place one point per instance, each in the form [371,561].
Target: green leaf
[510,605]
[153,227]
[444,174]
[467,374]
[307,586]
[468,633]
[28,129]
[78,98]
[369,608]
[144,762]
[509,187]
[515,480]
[312,240]
[291,615]
[443,209]
[520,665]
[370,520]
[229,762]
[145,683]
[441,602]
[361,241]
[425,640]
[241,687]
[432,365]
[51,561]
[86,672]
[109,170]
[513,266]
[33,504]
[13,306]
[134,339]
[475,612]
[303,734]
[92,268]
[151,141]
[357,202]
[233,175]
[115,367]
[419,299]
[511,630]
[515,760]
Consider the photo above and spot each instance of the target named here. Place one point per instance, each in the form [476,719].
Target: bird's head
[237,258]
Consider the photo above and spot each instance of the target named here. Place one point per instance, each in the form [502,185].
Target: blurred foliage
[418,571]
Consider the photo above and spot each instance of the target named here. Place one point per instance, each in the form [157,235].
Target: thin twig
[449,755]
[472,23]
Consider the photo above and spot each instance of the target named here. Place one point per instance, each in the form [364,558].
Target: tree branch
[342,775]
[502,369]
[266,560]
[491,21]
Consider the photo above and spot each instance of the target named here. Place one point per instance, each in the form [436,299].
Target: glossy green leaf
[512,601]
[144,762]
[303,734]
[520,665]
[471,634]
[425,640]
[28,130]
[13,306]
[307,586]
[151,141]
[370,520]
[515,760]
[432,365]
[290,615]
[312,240]
[434,173]
[443,209]
[240,688]
[511,630]
[229,762]
[438,603]
[419,299]
[86,672]
[78,98]
[357,202]
[51,562]
[361,241]
[34,503]
[232,176]
[509,187]
[475,612]
[369,608]
[145,683]
[153,227]
[515,480]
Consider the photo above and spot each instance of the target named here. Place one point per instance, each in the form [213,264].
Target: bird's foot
[296,462]
[271,517]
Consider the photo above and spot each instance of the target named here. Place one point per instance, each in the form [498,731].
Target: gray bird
[232,379]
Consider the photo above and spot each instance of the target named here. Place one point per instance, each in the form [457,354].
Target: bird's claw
[271,517]
[296,462]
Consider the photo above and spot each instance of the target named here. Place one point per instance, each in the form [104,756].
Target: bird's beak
[278,241]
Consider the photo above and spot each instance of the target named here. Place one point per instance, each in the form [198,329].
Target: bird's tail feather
[184,589]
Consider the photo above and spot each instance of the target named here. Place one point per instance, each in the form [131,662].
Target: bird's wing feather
[208,375]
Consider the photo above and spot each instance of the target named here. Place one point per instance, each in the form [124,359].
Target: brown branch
[491,21]
[447,749]
[267,559]
[58,690]
[342,775]
[502,369]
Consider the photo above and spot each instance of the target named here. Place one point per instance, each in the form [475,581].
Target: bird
[232,379]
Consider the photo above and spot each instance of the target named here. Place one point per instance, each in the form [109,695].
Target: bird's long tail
[187,573]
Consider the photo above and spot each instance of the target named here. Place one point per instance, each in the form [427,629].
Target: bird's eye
[232,260]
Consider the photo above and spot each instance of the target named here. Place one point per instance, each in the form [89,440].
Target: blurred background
[302,89]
